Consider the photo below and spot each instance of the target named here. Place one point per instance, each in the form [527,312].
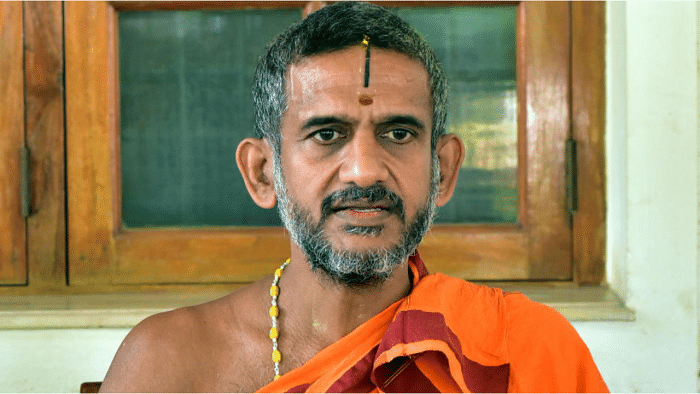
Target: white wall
[652,169]
[653,166]
[55,361]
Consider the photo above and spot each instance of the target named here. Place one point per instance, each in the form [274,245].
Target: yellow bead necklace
[274,312]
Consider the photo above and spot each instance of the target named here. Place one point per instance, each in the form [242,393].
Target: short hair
[330,29]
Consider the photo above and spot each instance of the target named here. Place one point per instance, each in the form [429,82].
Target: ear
[254,159]
[450,151]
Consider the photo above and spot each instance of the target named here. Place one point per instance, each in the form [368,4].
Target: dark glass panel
[185,105]
[477,48]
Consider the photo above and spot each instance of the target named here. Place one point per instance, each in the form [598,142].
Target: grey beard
[347,267]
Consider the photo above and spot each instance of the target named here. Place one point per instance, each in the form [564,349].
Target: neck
[326,311]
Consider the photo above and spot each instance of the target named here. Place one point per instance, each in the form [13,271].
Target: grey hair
[330,29]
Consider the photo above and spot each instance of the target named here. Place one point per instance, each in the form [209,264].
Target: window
[113,244]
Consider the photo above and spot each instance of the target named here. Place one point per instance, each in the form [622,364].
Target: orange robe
[450,335]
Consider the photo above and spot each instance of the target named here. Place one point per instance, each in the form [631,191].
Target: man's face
[356,164]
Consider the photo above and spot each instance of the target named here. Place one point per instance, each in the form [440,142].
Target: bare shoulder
[148,358]
[191,349]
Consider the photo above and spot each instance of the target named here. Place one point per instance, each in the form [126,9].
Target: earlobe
[254,159]
[450,151]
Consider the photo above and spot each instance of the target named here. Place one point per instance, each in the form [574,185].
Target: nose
[364,162]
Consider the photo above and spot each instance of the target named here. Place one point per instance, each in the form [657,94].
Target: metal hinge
[571,178]
[24,190]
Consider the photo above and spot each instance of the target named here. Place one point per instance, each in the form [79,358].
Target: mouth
[363,213]
[364,208]
[363,205]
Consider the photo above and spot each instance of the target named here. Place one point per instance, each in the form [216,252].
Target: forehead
[334,81]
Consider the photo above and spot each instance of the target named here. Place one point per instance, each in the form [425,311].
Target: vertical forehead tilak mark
[363,98]
[365,45]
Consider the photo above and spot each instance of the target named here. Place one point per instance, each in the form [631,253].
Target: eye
[326,135]
[398,135]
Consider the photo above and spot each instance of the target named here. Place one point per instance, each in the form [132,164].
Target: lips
[366,210]
[363,213]
[363,207]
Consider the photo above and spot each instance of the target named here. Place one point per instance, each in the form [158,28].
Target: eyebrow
[407,120]
[322,121]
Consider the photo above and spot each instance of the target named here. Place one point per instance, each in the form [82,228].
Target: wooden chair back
[90,387]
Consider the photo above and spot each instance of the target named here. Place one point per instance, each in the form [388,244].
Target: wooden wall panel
[46,227]
[13,263]
[588,128]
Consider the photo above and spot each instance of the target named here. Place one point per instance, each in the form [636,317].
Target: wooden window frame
[97,256]
[33,105]
[13,268]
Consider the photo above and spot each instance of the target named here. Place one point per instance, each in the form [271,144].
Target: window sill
[576,303]
[590,303]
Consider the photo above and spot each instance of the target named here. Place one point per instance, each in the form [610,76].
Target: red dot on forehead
[365,99]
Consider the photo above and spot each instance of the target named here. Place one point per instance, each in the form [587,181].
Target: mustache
[370,194]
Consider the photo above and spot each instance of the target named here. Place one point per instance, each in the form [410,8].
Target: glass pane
[185,105]
[476,46]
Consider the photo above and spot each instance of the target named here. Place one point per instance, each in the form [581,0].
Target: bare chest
[242,368]
[251,367]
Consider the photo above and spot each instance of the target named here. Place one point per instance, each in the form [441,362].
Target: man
[350,109]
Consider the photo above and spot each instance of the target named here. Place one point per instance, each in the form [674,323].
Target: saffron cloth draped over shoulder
[450,335]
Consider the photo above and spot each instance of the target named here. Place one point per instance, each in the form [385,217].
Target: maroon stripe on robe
[401,375]
[300,388]
[357,378]
[418,263]
[414,326]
